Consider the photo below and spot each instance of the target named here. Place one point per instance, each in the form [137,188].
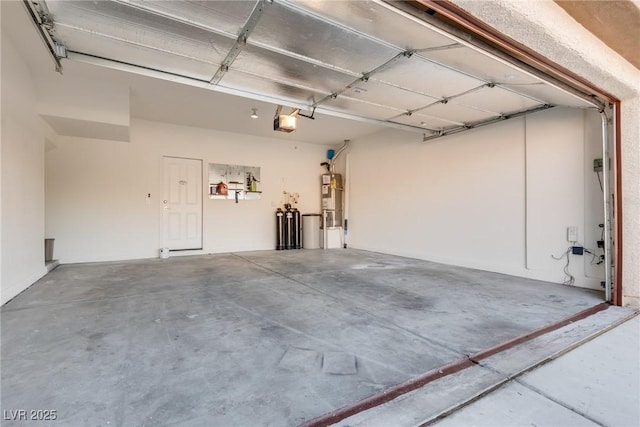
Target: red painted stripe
[448,369]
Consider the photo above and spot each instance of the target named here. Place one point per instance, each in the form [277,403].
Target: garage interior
[473,193]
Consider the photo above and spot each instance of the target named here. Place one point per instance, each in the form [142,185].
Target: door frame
[161,211]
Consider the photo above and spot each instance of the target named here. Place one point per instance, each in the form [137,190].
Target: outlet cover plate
[572,233]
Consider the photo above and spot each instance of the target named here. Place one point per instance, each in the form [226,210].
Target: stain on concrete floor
[201,340]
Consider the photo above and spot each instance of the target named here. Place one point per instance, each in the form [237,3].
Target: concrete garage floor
[596,384]
[254,338]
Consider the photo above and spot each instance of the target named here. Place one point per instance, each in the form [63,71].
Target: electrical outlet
[597,165]
[572,233]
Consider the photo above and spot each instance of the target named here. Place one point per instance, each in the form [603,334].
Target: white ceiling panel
[425,121]
[361,108]
[480,65]
[498,100]
[221,15]
[288,29]
[365,17]
[419,75]
[383,94]
[276,66]
[106,47]
[280,92]
[550,95]
[457,113]
[132,25]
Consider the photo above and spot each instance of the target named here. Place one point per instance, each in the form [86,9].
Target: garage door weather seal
[443,371]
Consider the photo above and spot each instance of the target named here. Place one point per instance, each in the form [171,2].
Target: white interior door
[182,203]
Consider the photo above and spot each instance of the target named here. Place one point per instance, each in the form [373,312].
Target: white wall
[92,99]
[96,190]
[547,29]
[562,191]
[1,138]
[497,198]
[23,139]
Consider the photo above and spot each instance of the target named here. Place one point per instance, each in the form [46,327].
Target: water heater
[332,198]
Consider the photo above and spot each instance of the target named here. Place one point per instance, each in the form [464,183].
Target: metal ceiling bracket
[60,49]
[466,92]
[365,76]
[439,48]
[410,112]
[406,54]
[241,41]
[41,18]
[446,100]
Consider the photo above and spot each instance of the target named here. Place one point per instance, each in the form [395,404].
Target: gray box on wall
[48,249]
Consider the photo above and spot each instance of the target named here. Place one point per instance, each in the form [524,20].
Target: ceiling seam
[104,58]
[283,82]
[133,43]
[524,95]
[302,58]
[174,18]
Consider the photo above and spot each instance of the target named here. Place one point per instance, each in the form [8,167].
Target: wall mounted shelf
[241,182]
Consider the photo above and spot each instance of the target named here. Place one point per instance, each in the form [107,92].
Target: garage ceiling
[365,60]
